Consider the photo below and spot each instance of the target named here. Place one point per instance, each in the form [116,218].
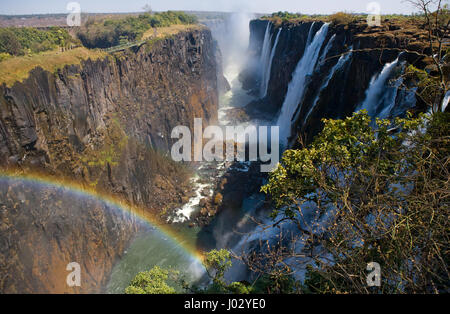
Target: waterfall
[268,68]
[377,94]
[391,97]
[327,48]
[296,87]
[446,101]
[265,53]
[340,64]
[233,35]
[310,34]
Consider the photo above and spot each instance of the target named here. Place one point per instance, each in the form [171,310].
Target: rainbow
[110,200]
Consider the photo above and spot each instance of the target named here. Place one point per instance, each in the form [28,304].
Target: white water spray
[327,49]
[233,36]
[339,65]
[267,68]
[376,93]
[390,97]
[296,88]
[446,101]
[265,52]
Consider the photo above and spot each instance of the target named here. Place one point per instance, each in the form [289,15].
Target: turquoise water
[154,249]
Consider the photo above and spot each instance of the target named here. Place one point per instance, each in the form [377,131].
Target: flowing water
[297,86]
[267,55]
[379,95]
[338,66]
[241,229]
[446,101]
[148,250]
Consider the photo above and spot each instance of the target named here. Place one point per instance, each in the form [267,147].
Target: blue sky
[260,6]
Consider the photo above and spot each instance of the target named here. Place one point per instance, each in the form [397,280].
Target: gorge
[104,128]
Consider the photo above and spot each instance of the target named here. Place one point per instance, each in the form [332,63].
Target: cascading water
[267,69]
[377,95]
[310,33]
[446,101]
[327,49]
[265,52]
[233,35]
[338,66]
[297,86]
[390,97]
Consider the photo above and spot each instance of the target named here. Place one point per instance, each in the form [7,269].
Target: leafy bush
[112,32]
[4,56]
[287,15]
[18,40]
[381,196]
[9,43]
[151,282]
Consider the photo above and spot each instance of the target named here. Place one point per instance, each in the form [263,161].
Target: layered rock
[106,124]
[375,46]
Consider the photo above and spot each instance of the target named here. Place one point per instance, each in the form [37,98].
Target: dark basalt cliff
[105,124]
[346,90]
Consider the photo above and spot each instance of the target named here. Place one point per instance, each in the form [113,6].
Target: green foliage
[287,15]
[240,288]
[387,188]
[112,32]
[151,282]
[217,263]
[279,282]
[430,89]
[4,56]
[282,17]
[111,149]
[9,43]
[18,41]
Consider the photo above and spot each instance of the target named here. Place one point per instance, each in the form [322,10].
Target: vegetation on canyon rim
[25,48]
[112,32]
[17,41]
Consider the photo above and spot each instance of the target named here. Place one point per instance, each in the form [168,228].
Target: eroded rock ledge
[105,124]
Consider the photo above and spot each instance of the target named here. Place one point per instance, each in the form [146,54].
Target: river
[150,249]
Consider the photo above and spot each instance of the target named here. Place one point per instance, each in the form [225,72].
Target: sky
[256,6]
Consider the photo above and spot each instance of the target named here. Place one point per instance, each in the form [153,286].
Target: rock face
[106,124]
[347,88]
[44,228]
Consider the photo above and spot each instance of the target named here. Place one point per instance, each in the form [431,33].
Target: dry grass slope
[18,68]
[163,32]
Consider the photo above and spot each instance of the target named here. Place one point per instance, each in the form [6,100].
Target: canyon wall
[105,124]
[337,94]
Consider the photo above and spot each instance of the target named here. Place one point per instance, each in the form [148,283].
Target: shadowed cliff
[105,124]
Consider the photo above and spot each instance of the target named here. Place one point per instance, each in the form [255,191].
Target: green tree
[433,84]
[4,56]
[111,32]
[216,263]
[151,282]
[9,43]
[381,195]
